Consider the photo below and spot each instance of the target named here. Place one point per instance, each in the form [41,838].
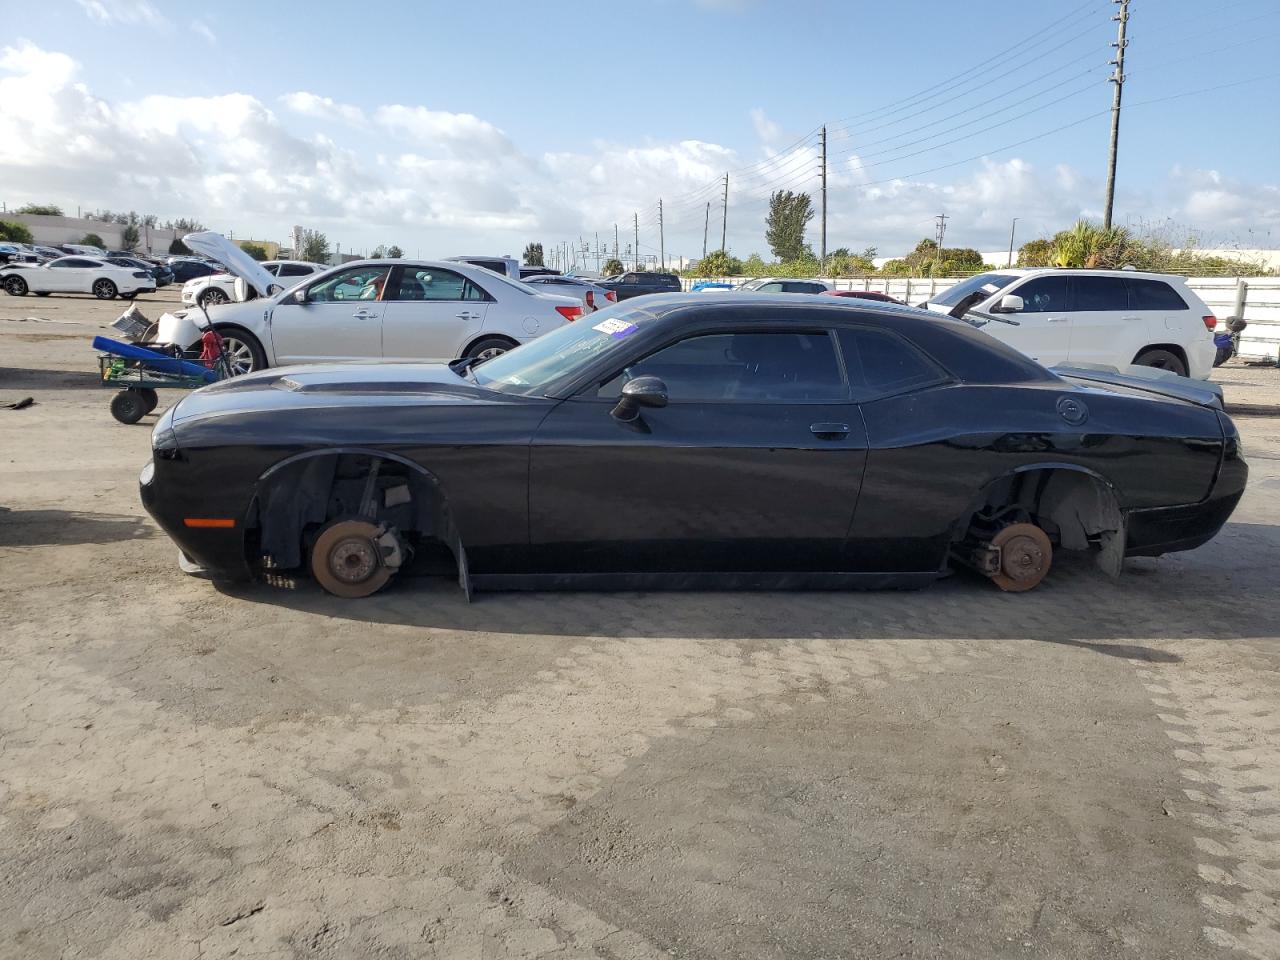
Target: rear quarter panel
[933,452]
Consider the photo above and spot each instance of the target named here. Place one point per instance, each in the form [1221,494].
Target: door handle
[1130,319]
[829,431]
[1059,319]
[467,315]
[364,314]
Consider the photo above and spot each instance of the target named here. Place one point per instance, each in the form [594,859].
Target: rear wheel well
[1078,510]
[1173,348]
[296,500]
[487,336]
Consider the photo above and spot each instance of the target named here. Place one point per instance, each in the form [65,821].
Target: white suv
[1110,317]
[220,287]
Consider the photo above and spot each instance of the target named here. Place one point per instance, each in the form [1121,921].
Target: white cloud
[311,105]
[765,128]
[204,30]
[441,180]
[124,12]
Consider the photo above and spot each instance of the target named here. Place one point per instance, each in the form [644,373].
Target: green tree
[789,214]
[533,255]
[394,252]
[255,250]
[717,263]
[379,253]
[612,267]
[41,210]
[315,247]
[93,240]
[1035,253]
[754,266]
[130,238]
[15,232]
[179,249]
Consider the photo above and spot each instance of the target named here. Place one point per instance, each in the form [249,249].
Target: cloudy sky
[474,128]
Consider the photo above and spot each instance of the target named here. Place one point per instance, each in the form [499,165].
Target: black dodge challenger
[695,441]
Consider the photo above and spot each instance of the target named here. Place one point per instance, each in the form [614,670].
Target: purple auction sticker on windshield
[615,328]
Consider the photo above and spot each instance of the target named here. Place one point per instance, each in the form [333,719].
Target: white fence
[1257,299]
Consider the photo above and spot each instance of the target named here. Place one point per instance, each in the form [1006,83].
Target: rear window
[987,283]
[882,364]
[1153,295]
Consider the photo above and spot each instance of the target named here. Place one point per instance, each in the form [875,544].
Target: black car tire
[129,406]
[243,349]
[212,297]
[486,348]
[42,293]
[151,397]
[104,289]
[128,296]
[1162,360]
[15,286]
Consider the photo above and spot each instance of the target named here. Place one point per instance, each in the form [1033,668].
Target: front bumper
[220,551]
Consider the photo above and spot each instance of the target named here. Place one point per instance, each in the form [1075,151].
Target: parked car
[697,440]
[590,292]
[637,283]
[1111,317]
[506,266]
[189,268]
[702,285]
[369,309]
[216,288]
[81,249]
[48,253]
[539,271]
[76,275]
[17,253]
[866,295]
[784,285]
[162,275]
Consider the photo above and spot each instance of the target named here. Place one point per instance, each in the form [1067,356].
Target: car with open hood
[696,440]
[367,310]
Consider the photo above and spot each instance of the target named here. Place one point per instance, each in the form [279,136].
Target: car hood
[217,247]
[338,384]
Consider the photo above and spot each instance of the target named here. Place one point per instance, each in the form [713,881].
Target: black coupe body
[695,441]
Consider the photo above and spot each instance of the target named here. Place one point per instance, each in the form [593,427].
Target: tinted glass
[630,278]
[357,283]
[730,367]
[295,270]
[881,364]
[988,283]
[775,287]
[1043,295]
[1153,295]
[1099,293]
[72,262]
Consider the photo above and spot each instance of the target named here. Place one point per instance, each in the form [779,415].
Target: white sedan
[76,275]
[369,309]
[220,287]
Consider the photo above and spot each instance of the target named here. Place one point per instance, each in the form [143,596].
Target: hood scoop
[330,384]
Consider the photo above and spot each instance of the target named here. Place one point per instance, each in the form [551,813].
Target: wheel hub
[1025,557]
[353,560]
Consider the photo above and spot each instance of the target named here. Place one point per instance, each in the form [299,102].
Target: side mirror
[299,296]
[240,289]
[640,392]
[1009,303]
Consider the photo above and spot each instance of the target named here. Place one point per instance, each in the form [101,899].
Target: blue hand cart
[139,370]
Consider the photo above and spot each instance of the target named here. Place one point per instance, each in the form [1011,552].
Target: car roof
[1085,272]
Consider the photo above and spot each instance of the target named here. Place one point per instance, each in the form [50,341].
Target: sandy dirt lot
[1089,770]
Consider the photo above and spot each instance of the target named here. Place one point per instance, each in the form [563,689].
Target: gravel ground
[1089,770]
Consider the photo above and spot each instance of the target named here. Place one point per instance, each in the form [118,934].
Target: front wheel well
[1077,509]
[466,351]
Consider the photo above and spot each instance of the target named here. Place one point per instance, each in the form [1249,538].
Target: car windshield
[987,283]
[531,368]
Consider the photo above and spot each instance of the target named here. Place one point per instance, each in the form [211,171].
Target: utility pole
[724,218]
[823,259]
[635,257]
[1013,226]
[662,243]
[615,241]
[942,219]
[706,223]
[1118,79]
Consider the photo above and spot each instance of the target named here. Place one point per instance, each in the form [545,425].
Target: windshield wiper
[991,316]
[463,369]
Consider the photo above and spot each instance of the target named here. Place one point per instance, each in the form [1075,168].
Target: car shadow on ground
[1192,595]
[25,528]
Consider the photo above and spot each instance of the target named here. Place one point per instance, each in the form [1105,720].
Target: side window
[1043,295]
[630,278]
[774,287]
[1153,295]
[72,263]
[357,283]
[1098,293]
[882,364]
[295,270]
[751,367]
[431,283]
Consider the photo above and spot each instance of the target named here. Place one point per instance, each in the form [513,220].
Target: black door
[754,465]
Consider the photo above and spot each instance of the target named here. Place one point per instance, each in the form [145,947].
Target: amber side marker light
[206,522]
